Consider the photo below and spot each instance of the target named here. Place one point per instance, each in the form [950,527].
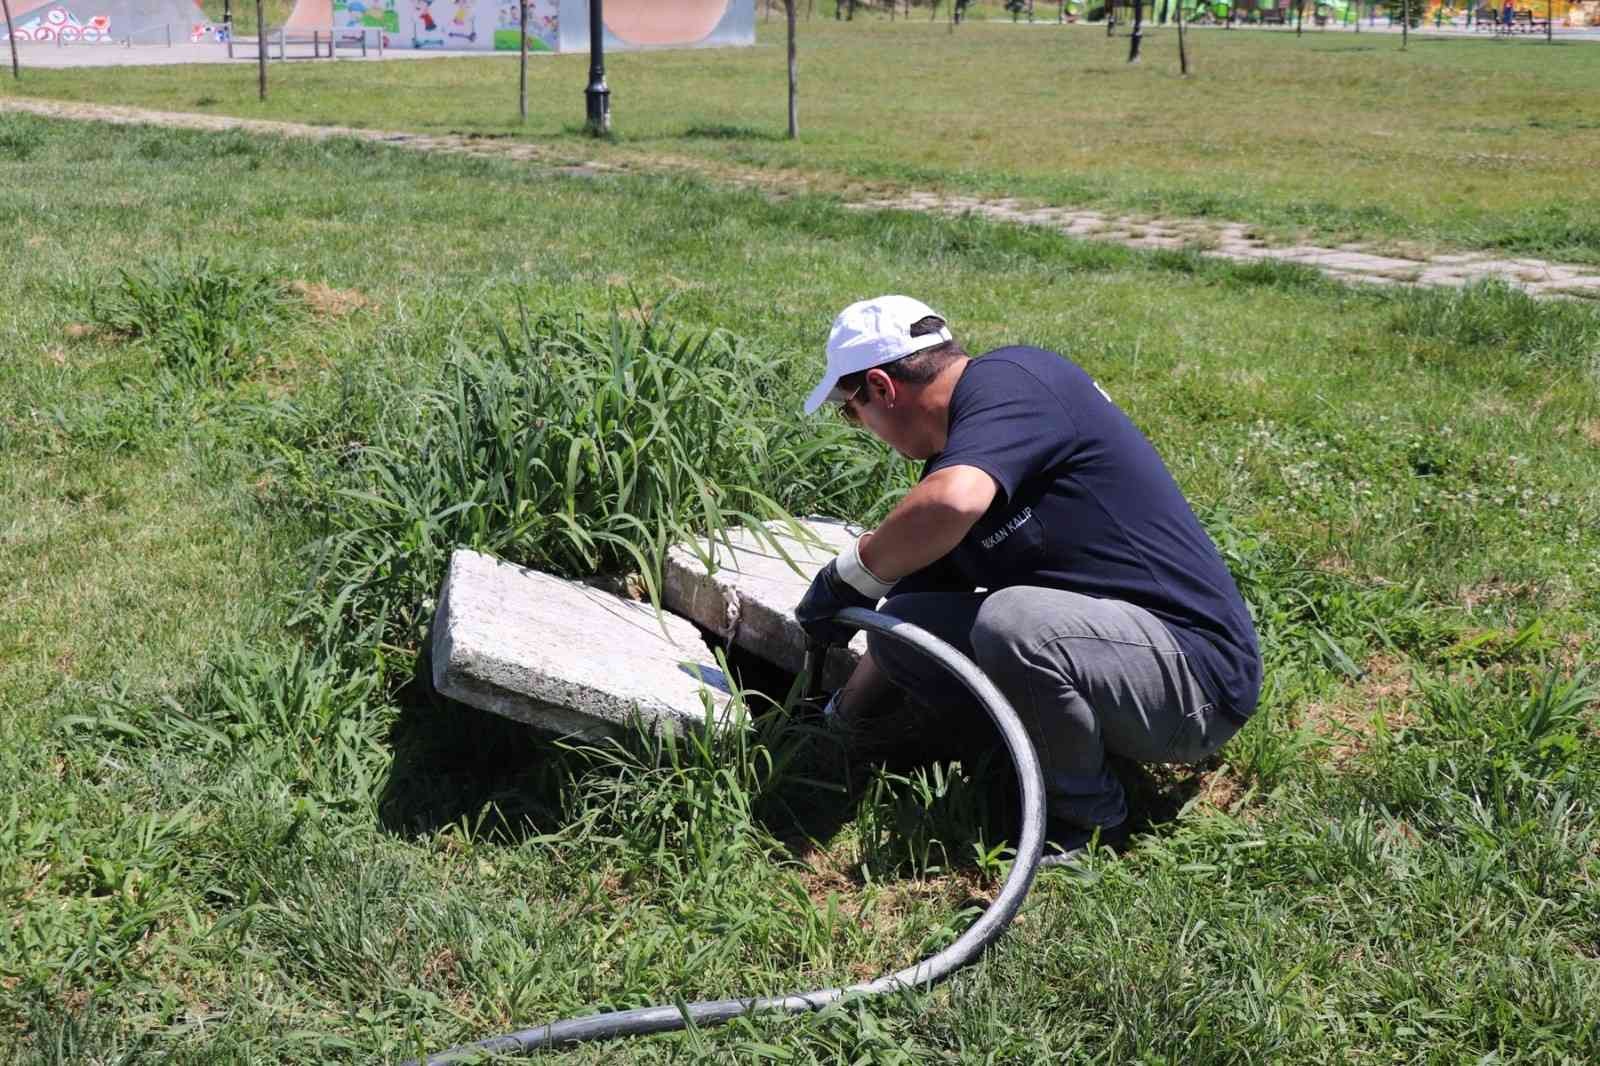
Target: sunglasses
[841,404]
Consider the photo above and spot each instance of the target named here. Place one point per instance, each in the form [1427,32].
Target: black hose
[980,935]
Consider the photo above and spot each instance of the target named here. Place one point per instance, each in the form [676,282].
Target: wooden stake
[11,35]
[790,12]
[1183,53]
[261,52]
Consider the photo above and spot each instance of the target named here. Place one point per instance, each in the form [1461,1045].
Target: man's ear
[881,387]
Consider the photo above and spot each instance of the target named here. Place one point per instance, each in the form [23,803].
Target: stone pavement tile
[1235,254]
[1153,241]
[568,659]
[1504,267]
[748,597]
[1363,262]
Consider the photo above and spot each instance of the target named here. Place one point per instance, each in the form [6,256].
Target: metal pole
[1549,21]
[11,35]
[261,53]
[790,15]
[1138,31]
[522,62]
[1183,53]
[597,96]
[1405,24]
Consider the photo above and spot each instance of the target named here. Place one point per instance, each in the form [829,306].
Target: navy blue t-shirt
[1086,504]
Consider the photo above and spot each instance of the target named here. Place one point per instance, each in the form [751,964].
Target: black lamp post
[597,95]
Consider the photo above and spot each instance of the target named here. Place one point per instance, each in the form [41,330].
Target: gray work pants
[1085,675]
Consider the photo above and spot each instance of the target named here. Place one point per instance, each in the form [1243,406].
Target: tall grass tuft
[1494,317]
[208,321]
[577,447]
[21,136]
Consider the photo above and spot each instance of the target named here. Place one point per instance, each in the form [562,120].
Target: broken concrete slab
[748,594]
[570,660]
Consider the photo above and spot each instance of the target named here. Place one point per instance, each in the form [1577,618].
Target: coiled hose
[981,934]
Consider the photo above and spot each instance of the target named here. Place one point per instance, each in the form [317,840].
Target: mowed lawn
[253,392]
[1464,142]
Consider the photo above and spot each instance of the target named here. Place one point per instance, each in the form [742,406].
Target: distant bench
[1275,16]
[322,42]
[1523,21]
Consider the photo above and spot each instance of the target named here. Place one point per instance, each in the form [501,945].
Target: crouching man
[1046,540]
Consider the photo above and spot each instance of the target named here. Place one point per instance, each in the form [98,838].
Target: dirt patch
[882,908]
[328,302]
[1336,563]
[1159,793]
[1591,432]
[442,964]
[1486,592]
[78,331]
[1221,791]
[824,875]
[1348,721]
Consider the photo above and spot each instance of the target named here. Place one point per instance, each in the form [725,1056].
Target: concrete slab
[570,660]
[749,594]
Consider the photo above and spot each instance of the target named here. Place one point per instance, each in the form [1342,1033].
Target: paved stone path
[1224,240]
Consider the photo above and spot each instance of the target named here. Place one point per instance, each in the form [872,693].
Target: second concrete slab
[745,588]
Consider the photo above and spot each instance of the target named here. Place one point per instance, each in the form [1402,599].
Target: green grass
[238,833]
[1471,143]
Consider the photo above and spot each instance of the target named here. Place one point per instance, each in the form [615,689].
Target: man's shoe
[1067,844]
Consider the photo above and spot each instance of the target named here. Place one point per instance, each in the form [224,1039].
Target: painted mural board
[553,25]
[634,24]
[104,21]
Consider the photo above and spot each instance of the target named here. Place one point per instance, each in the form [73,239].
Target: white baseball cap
[870,333]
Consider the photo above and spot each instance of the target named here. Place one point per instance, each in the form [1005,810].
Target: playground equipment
[553,25]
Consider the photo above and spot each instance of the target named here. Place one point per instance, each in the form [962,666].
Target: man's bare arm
[928,523]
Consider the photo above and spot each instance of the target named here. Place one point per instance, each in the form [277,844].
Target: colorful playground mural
[553,25]
[103,21]
[449,25]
